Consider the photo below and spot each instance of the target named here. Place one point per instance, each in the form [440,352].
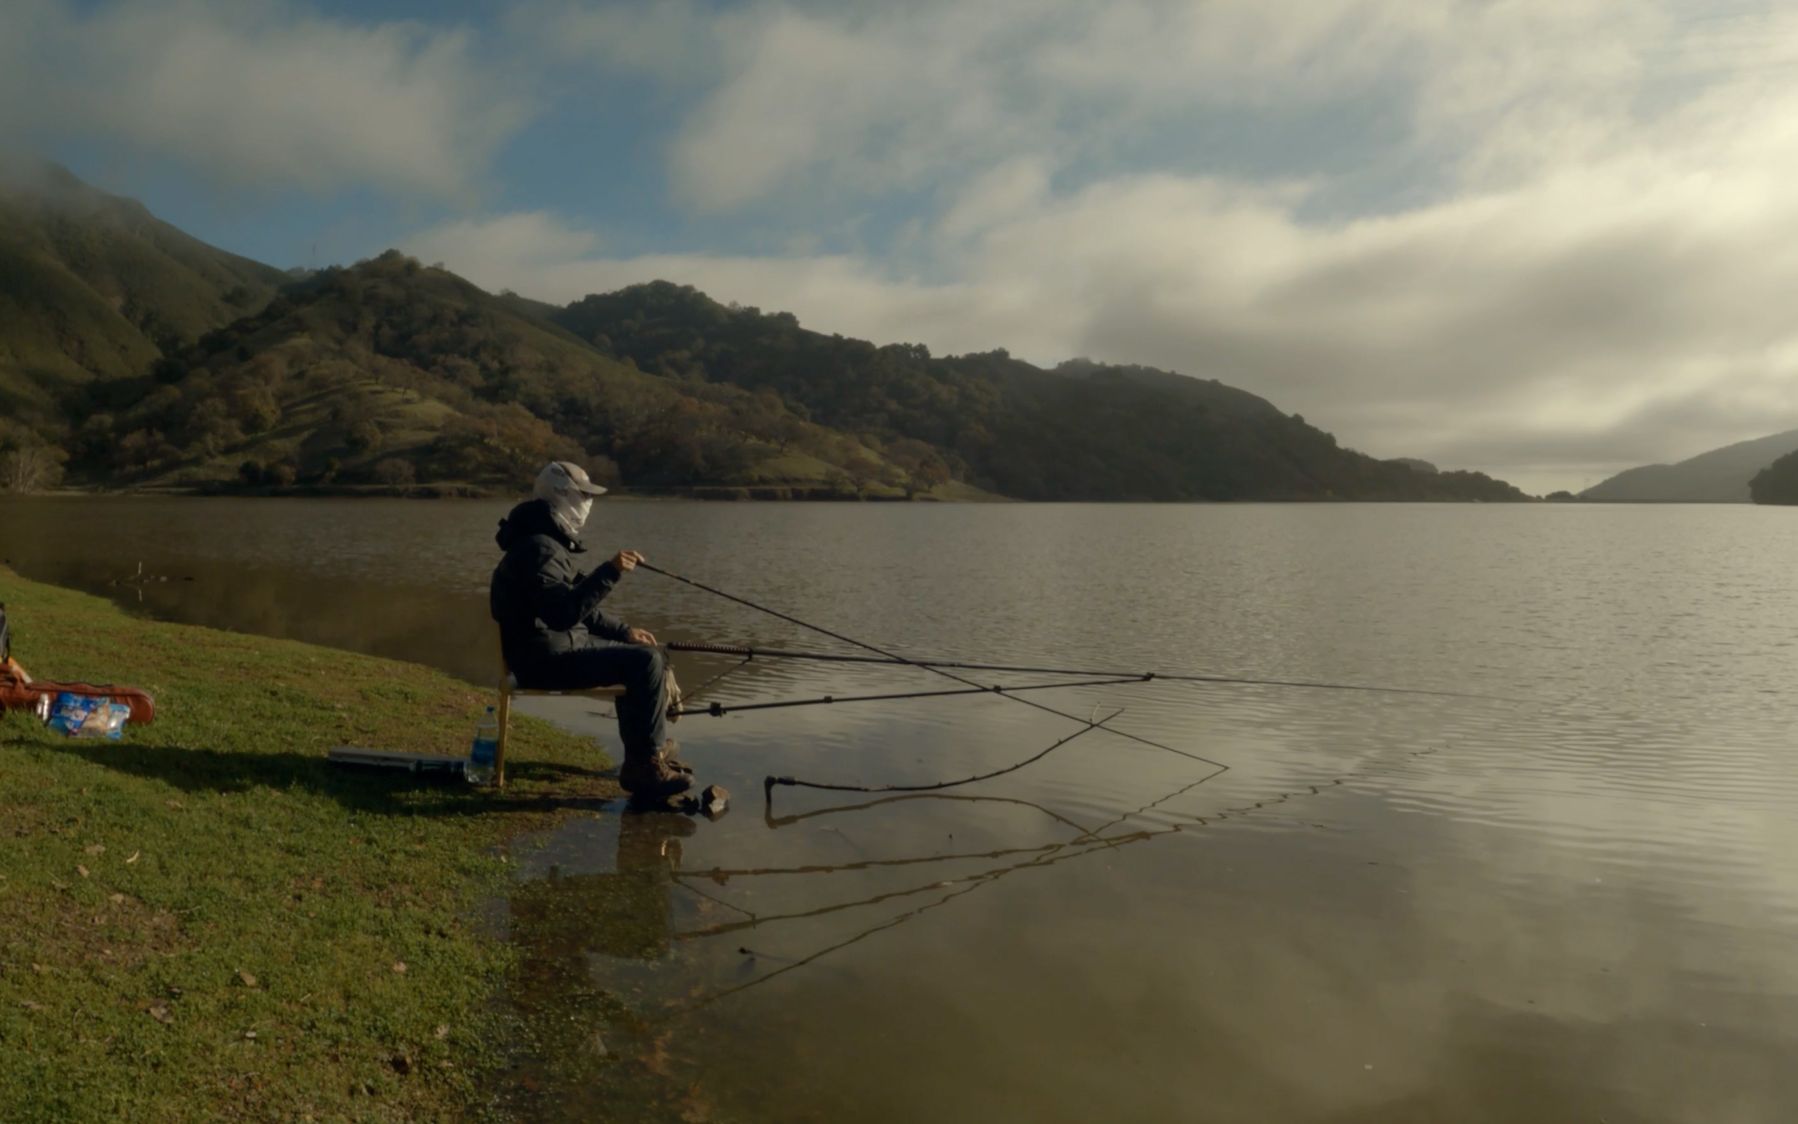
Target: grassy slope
[140,880]
[92,284]
[54,329]
[411,422]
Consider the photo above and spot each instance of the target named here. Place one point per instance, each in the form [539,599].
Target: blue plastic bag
[88,716]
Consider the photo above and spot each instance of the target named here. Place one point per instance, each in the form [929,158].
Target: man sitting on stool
[556,638]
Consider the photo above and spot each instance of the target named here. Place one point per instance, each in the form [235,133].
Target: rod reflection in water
[1039,856]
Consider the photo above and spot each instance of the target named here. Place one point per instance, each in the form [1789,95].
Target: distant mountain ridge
[142,357]
[1718,476]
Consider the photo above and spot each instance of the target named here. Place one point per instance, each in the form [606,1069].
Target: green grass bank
[206,920]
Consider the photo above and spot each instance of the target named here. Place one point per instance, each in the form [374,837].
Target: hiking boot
[652,777]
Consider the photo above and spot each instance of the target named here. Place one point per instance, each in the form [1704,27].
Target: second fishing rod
[750,653]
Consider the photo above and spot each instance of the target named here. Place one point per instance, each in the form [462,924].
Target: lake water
[1575,900]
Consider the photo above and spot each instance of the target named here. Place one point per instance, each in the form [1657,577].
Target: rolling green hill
[388,373]
[94,286]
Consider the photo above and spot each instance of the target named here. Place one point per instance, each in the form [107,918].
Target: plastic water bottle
[479,769]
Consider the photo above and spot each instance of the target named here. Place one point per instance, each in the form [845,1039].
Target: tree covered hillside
[392,373]
[1082,431]
[1777,483]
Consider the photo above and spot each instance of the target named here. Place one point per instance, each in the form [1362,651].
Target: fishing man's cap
[562,478]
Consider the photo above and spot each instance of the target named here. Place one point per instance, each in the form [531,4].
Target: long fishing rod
[768,783]
[833,657]
[719,710]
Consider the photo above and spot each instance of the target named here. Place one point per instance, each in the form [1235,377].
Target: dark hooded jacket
[544,603]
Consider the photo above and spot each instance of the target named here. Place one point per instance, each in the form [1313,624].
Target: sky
[1545,239]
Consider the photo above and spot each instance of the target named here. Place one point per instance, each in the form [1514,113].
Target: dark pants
[639,669]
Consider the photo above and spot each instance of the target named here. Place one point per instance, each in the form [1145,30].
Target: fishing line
[686,696]
[951,784]
[769,782]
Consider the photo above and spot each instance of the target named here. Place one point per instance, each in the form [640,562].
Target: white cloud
[1012,188]
[804,86]
[261,93]
[827,97]
[512,247]
[828,100]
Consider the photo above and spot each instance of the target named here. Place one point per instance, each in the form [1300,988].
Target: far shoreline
[783,494]
[747,493]
[743,494]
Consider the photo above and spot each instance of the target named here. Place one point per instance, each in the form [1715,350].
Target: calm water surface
[1579,904]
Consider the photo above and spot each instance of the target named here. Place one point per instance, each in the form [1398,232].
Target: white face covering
[568,505]
[572,517]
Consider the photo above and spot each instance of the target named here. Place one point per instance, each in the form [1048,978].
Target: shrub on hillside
[1777,483]
[395,472]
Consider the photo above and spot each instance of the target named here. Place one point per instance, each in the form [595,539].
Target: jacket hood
[530,518]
